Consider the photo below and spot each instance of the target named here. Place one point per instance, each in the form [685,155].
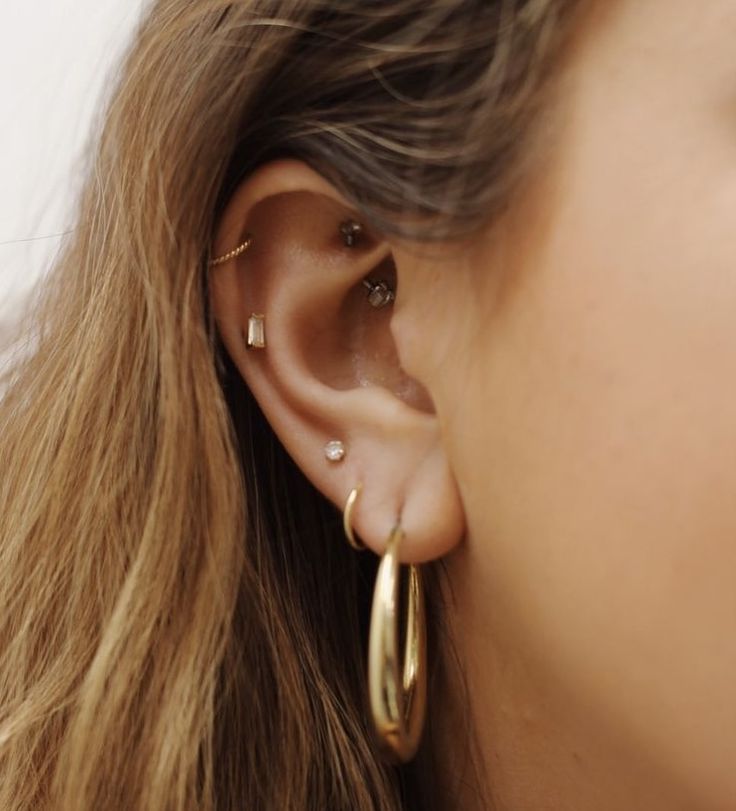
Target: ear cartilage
[256,332]
[380,293]
[350,231]
[335,450]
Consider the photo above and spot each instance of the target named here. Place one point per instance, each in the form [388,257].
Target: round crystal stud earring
[335,450]
[380,293]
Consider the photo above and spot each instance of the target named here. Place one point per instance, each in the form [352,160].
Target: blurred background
[56,62]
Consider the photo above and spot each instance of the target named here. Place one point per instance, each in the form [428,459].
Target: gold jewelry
[256,332]
[398,702]
[226,257]
[380,294]
[348,516]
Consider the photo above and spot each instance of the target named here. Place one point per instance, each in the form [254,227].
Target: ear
[330,369]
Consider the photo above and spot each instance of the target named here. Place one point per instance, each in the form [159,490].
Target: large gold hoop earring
[398,701]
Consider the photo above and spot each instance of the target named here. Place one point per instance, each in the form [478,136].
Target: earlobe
[320,287]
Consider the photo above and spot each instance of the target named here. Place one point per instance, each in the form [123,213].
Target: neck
[506,735]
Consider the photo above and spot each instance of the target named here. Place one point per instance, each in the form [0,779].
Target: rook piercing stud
[350,231]
[380,293]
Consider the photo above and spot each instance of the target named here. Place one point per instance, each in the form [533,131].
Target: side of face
[588,404]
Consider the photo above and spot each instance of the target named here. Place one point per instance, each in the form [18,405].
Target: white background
[56,60]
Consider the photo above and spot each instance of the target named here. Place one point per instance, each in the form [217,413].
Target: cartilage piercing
[256,332]
[380,293]
[226,257]
[350,231]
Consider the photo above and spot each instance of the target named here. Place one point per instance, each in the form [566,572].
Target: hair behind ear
[182,624]
[318,592]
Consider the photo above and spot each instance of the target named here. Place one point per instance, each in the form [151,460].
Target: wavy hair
[182,624]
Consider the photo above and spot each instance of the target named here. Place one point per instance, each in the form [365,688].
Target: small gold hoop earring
[347,519]
[398,702]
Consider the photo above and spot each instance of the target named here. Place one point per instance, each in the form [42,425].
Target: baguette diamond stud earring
[335,450]
[256,332]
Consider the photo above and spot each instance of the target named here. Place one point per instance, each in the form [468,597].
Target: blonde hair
[183,625]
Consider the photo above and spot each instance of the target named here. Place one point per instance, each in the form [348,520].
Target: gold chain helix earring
[235,252]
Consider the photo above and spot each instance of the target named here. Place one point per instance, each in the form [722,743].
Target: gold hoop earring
[347,519]
[398,702]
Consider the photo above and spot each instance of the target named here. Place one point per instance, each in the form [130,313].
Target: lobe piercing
[256,332]
[335,450]
[347,519]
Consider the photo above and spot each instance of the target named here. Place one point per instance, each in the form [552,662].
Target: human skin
[599,474]
[551,408]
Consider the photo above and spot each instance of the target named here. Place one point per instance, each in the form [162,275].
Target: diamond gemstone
[256,332]
[381,295]
[334,450]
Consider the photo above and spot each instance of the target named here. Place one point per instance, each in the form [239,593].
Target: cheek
[595,448]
